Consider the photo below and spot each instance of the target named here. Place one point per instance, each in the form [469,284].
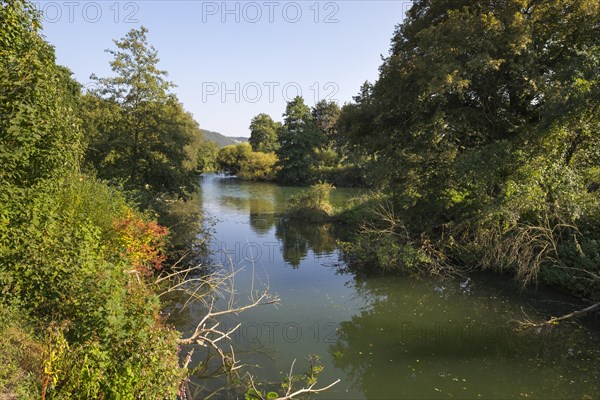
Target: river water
[387,337]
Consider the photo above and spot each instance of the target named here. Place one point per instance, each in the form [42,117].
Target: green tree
[467,84]
[85,325]
[326,115]
[40,137]
[231,158]
[137,131]
[207,156]
[484,124]
[298,140]
[355,121]
[259,166]
[264,133]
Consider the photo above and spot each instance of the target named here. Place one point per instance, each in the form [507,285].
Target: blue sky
[232,60]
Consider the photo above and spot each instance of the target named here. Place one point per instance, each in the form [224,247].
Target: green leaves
[136,130]
[484,119]
[59,252]
[298,140]
[39,135]
[231,158]
[264,133]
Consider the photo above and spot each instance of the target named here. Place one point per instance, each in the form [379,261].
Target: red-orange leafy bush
[142,242]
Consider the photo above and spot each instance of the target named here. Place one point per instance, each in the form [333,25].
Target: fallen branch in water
[196,286]
[290,393]
[528,323]
[207,289]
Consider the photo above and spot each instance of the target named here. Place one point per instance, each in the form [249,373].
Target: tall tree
[326,115]
[355,121]
[264,133]
[298,140]
[137,131]
[468,82]
[207,156]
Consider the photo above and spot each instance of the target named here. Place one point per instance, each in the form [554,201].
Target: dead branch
[527,246]
[290,393]
[528,323]
[207,289]
[308,390]
[208,332]
[201,329]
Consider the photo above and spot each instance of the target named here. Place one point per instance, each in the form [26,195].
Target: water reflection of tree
[187,234]
[425,340]
[298,237]
[262,216]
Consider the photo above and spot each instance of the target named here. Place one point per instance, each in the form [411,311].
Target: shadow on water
[439,339]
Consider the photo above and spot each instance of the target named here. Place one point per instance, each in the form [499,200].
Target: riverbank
[381,241]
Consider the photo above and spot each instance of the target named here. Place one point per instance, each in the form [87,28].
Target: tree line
[484,132]
[479,140]
[303,149]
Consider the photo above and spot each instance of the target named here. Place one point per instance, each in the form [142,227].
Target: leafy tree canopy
[137,131]
[40,135]
[264,133]
[298,140]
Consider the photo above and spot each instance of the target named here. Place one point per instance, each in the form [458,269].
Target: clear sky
[232,60]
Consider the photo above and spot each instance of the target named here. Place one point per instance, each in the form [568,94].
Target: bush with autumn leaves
[77,263]
[141,241]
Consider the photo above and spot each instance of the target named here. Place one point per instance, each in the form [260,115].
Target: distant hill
[222,140]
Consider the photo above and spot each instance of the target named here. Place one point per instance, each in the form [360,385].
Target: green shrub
[382,242]
[20,356]
[63,260]
[259,167]
[360,209]
[312,204]
[77,319]
[349,175]
[231,158]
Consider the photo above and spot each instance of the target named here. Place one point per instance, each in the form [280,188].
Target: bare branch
[290,393]
[208,332]
[308,390]
[528,322]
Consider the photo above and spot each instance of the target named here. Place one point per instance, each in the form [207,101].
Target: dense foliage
[259,166]
[308,147]
[312,204]
[481,135]
[485,119]
[230,158]
[40,137]
[249,165]
[77,312]
[264,134]
[207,156]
[298,140]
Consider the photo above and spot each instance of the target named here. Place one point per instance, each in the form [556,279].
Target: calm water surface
[384,337]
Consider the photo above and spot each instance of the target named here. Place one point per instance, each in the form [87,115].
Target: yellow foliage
[259,166]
